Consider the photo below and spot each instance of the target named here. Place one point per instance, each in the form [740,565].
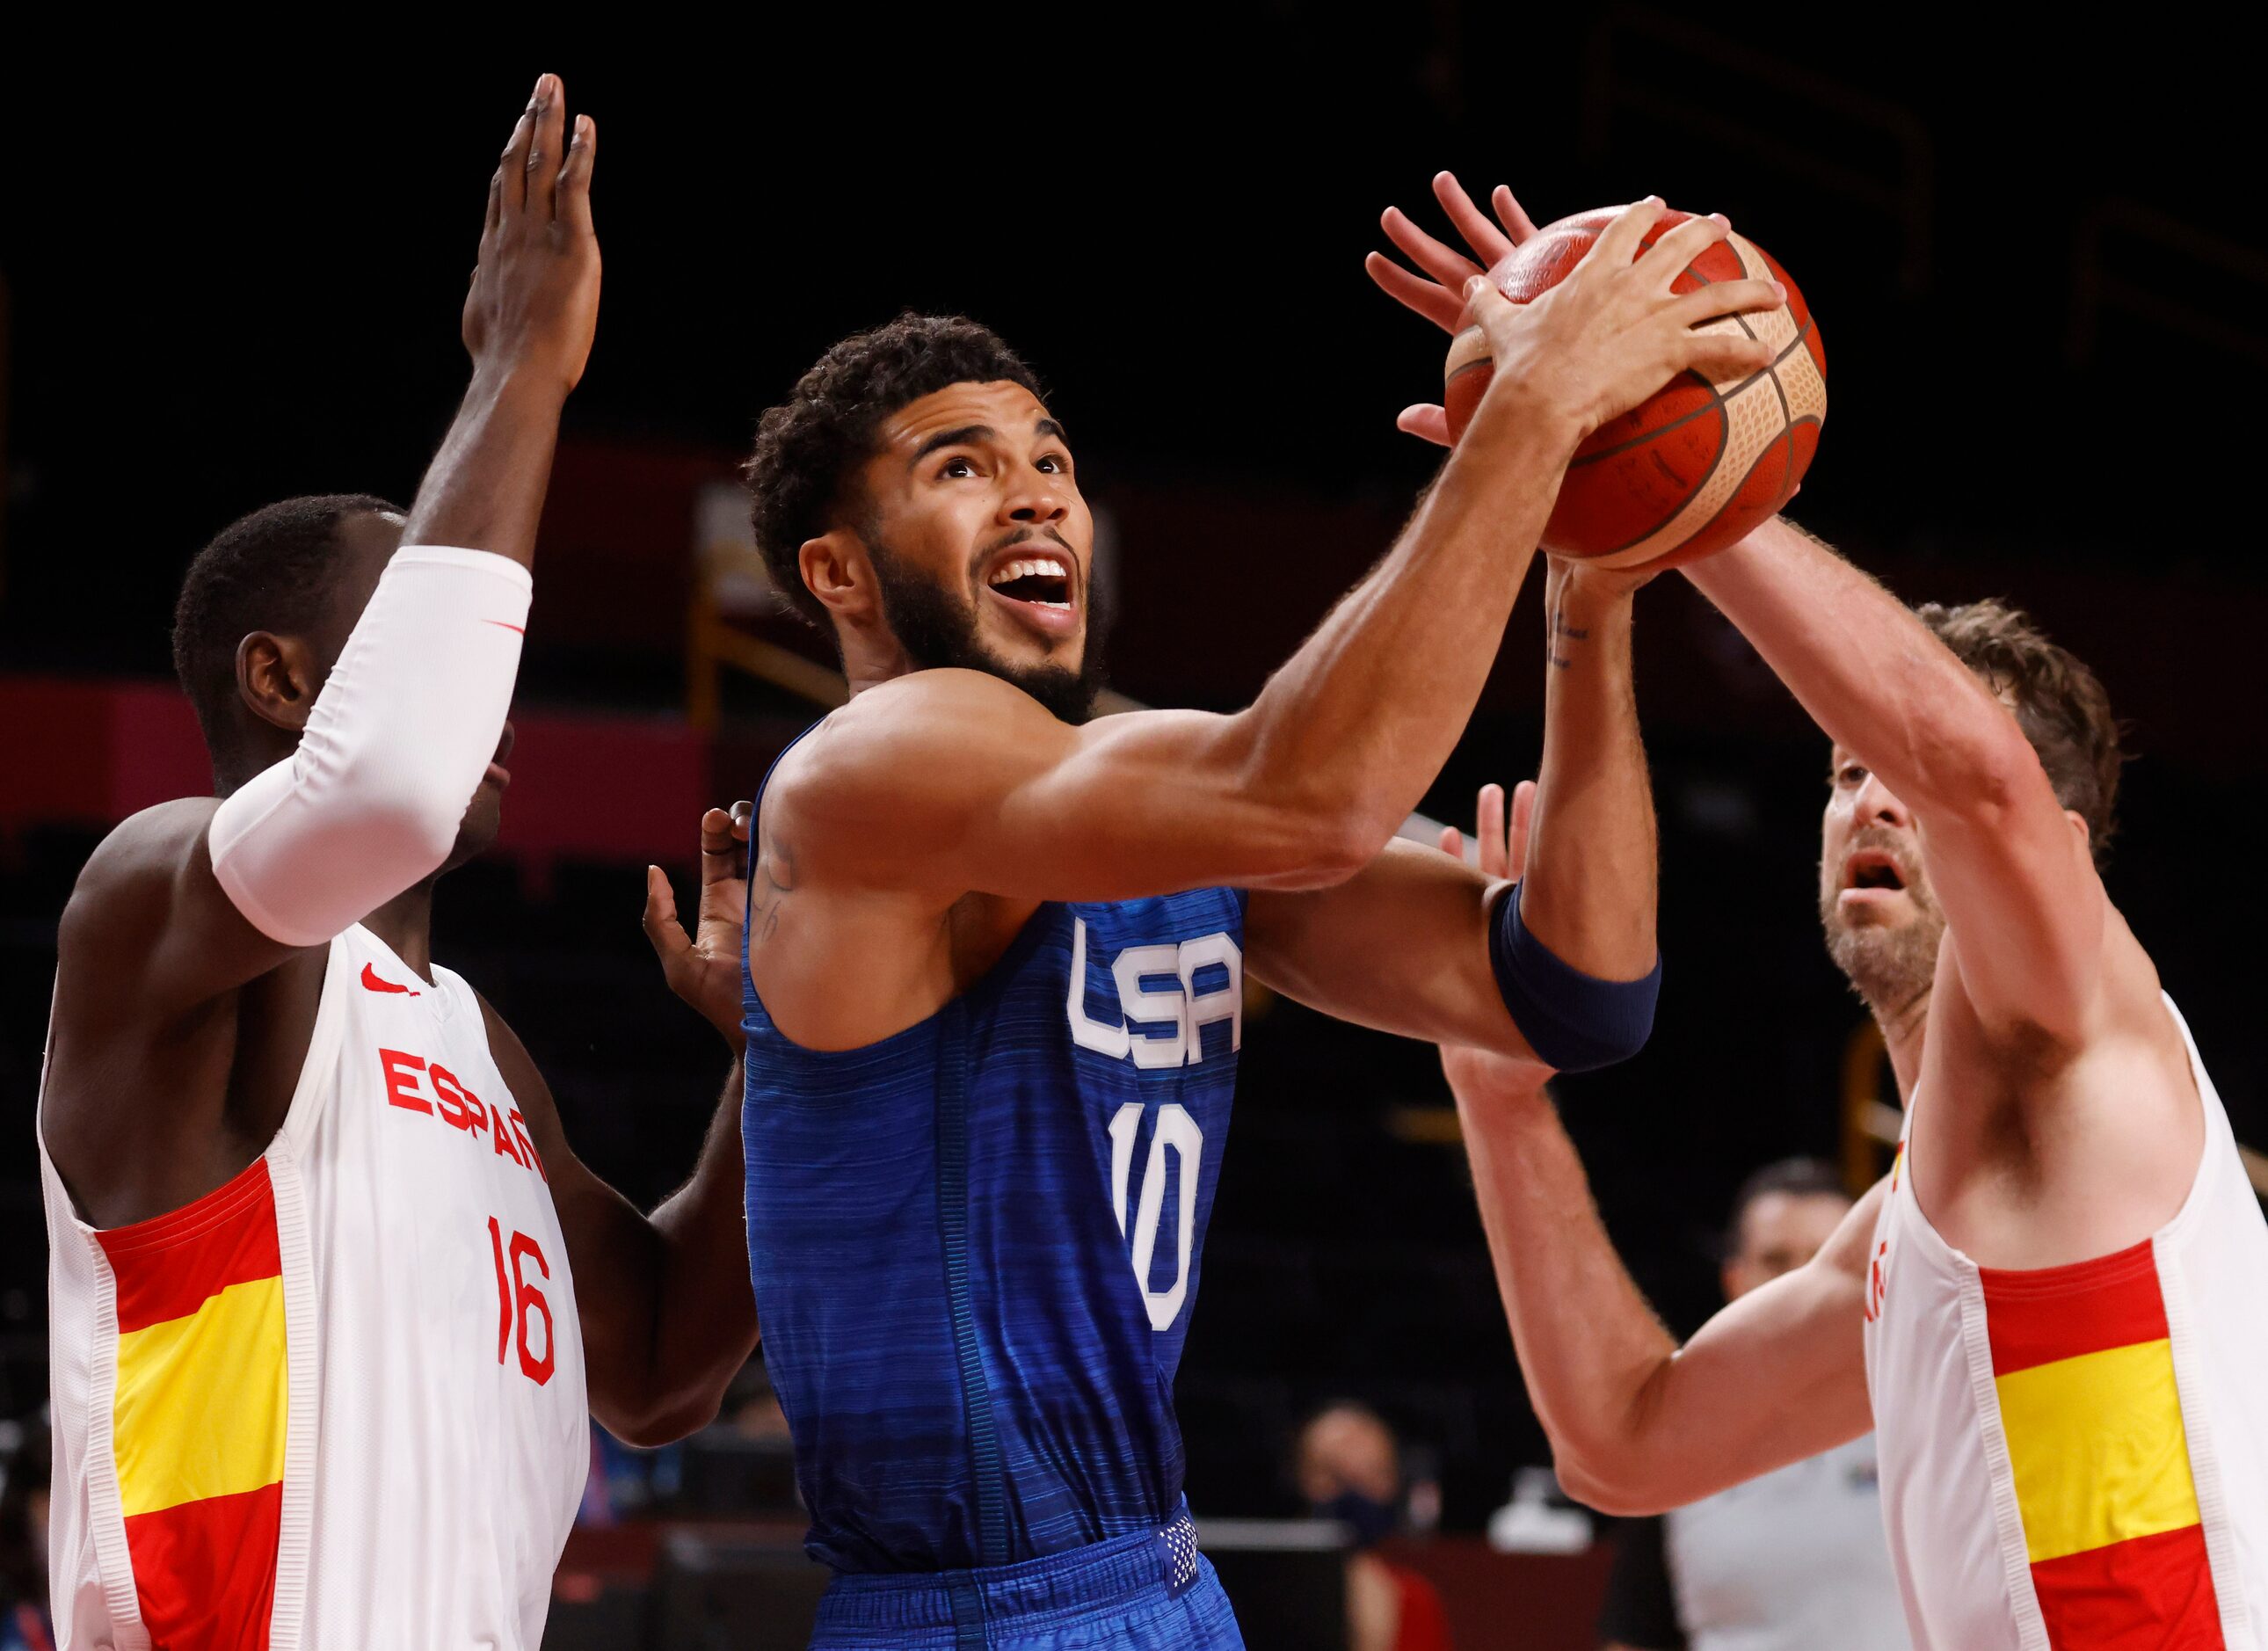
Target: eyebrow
[960,436]
[966,434]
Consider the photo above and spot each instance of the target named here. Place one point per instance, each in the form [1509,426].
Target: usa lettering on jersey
[1168,995]
[1174,1015]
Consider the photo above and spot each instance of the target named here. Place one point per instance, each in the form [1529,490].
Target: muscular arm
[668,1314]
[391,749]
[941,783]
[1637,1424]
[186,905]
[2025,914]
[1404,945]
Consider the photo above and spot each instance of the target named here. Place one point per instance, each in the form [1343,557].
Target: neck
[406,923]
[871,657]
[1902,1026]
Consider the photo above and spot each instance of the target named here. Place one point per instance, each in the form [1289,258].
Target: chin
[476,832]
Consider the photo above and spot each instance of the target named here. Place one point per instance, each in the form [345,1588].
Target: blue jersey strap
[1574,1022]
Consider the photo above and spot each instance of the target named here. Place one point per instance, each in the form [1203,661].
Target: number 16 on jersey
[517,1300]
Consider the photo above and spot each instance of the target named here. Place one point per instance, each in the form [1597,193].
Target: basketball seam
[1724,445]
[1717,514]
[1717,398]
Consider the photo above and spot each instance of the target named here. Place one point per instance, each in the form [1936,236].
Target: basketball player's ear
[836,570]
[2078,824]
[278,677]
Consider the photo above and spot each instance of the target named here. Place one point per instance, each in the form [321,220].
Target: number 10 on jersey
[1178,1132]
[517,1300]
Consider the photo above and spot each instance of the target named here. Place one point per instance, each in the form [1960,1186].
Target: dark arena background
[230,269]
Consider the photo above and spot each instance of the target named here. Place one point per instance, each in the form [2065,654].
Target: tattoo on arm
[775,881]
[1564,634]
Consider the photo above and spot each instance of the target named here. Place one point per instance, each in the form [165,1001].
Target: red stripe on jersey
[2145,1593]
[171,1265]
[2044,1313]
[205,1572]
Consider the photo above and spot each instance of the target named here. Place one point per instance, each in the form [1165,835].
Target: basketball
[1695,466]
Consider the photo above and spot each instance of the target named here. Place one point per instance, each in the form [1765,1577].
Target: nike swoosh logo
[518,631]
[370,979]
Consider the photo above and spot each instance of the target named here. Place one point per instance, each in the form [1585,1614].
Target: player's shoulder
[134,868]
[520,1072]
[907,722]
[923,696]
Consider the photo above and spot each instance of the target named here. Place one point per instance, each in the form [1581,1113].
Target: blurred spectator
[25,1622]
[1350,1470]
[1794,1561]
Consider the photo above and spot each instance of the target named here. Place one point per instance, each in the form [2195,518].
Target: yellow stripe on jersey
[2097,1448]
[202,1401]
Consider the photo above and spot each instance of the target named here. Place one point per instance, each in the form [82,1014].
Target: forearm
[485,487]
[705,1311]
[1361,719]
[669,1314]
[394,746]
[1589,889]
[1590,1346]
[1867,671]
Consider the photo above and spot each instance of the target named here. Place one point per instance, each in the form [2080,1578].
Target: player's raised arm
[2026,913]
[1561,967]
[1636,1424]
[937,785]
[394,736]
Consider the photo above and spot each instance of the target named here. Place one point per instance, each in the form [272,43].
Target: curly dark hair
[2059,704]
[270,571]
[808,445]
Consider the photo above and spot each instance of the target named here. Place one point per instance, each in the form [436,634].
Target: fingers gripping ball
[1695,467]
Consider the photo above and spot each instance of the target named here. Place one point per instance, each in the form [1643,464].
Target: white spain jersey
[2075,1458]
[339,1401]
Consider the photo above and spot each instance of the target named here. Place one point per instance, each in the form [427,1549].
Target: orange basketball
[1696,465]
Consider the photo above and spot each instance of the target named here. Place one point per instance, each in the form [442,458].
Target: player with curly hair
[995,950]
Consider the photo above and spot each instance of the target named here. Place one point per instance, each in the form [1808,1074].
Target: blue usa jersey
[975,1243]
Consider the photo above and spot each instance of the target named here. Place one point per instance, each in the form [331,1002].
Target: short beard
[939,633]
[1888,968]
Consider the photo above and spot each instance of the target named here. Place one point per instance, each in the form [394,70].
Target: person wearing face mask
[1349,1466]
[1796,1559]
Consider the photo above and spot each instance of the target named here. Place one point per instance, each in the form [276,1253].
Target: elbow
[1979,770]
[1612,1490]
[416,819]
[1340,842]
[1308,843]
[663,1420]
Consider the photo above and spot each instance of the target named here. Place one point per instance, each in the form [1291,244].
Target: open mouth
[1044,581]
[1870,869]
[1035,587]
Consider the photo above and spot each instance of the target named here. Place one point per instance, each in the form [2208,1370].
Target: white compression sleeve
[394,747]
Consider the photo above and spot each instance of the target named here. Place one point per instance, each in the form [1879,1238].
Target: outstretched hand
[1477,1073]
[534,298]
[1437,293]
[1596,344]
[705,970]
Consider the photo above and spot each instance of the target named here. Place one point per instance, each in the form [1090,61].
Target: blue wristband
[1574,1022]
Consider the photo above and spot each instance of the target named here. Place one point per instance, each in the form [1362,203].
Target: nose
[1034,498]
[1878,805]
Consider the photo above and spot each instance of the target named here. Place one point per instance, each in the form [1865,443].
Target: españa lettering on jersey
[977,1244]
[340,1400]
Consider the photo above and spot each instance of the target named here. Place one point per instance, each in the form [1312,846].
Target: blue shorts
[1152,1591]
